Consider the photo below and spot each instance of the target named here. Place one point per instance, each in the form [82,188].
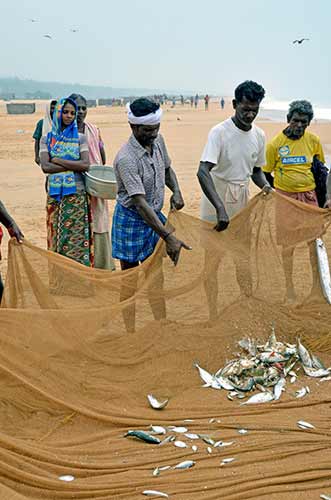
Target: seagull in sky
[300,40]
[74,30]
[33,20]
[48,36]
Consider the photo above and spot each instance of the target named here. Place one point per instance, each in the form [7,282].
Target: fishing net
[80,350]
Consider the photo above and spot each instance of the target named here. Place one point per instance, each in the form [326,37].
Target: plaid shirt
[138,172]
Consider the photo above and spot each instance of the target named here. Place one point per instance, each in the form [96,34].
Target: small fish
[157,405]
[304,355]
[279,387]
[219,444]
[206,376]
[212,420]
[323,269]
[227,460]
[209,450]
[312,372]
[325,497]
[242,431]
[185,465]
[155,493]
[143,436]
[305,425]
[180,444]
[208,440]
[262,397]
[166,440]
[165,467]
[158,429]
[324,379]
[156,472]
[224,383]
[188,420]
[190,435]
[293,379]
[179,430]
[194,448]
[301,393]
[67,478]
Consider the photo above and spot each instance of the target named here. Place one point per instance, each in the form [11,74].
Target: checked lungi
[132,239]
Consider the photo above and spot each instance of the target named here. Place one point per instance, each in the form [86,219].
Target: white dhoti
[234,195]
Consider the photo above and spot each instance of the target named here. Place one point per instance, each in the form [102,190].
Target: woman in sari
[64,158]
[99,207]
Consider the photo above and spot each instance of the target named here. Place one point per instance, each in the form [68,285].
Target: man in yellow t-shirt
[289,157]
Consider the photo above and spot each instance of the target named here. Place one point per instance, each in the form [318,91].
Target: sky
[187,45]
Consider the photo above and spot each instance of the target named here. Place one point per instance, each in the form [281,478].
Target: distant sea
[277,111]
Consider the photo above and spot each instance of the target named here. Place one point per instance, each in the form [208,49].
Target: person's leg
[128,288]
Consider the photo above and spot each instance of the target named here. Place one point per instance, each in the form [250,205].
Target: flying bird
[33,20]
[74,31]
[48,36]
[300,41]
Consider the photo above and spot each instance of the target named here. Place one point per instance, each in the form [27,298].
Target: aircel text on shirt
[294,160]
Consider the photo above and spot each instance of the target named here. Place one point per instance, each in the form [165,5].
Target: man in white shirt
[234,154]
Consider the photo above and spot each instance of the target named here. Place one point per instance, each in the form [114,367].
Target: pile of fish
[265,368]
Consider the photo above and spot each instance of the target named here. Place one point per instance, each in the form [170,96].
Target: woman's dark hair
[74,97]
[301,107]
[143,106]
[251,90]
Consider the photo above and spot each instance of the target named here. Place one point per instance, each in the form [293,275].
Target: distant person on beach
[42,128]
[64,157]
[291,154]
[206,99]
[143,170]
[182,100]
[222,103]
[234,154]
[99,207]
[191,101]
[13,230]
[196,101]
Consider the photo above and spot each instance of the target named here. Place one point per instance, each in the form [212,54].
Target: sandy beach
[184,128]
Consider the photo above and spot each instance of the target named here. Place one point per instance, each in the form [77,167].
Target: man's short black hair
[143,106]
[251,90]
[74,97]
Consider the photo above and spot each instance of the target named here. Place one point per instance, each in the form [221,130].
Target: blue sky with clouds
[207,46]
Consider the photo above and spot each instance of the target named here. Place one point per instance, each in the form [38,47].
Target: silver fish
[262,397]
[143,436]
[323,269]
[324,379]
[158,429]
[208,440]
[67,478]
[166,440]
[164,467]
[212,420]
[179,430]
[180,444]
[188,420]
[156,472]
[157,405]
[219,444]
[279,387]
[242,431]
[301,393]
[185,465]
[304,355]
[155,493]
[209,450]
[190,435]
[305,425]
[194,448]
[227,460]
[311,372]
[325,497]
[207,377]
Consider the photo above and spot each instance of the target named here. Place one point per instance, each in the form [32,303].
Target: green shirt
[38,131]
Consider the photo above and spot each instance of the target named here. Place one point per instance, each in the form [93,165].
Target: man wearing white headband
[143,169]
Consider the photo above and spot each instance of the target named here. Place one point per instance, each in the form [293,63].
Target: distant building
[23,108]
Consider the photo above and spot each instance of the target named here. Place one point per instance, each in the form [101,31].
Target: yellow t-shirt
[291,160]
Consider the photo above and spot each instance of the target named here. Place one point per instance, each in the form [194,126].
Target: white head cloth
[150,119]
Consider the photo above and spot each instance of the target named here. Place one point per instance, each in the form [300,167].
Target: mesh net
[81,348]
